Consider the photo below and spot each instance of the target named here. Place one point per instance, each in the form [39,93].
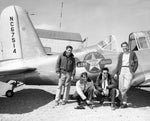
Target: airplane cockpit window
[139,41]
[142,41]
[108,44]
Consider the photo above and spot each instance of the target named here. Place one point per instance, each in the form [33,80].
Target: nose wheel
[9,93]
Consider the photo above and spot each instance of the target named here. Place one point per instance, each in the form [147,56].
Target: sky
[95,19]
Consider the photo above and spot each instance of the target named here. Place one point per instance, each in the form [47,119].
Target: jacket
[111,83]
[65,63]
[133,62]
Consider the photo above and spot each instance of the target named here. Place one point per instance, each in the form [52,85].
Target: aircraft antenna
[61,15]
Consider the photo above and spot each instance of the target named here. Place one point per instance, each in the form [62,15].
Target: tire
[9,93]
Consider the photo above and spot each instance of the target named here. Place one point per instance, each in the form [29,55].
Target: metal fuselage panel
[142,74]
[44,74]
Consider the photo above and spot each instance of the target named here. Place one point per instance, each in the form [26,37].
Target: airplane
[24,58]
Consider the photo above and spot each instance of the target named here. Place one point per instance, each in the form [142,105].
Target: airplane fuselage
[45,73]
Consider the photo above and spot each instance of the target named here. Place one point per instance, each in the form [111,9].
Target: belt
[64,71]
[125,66]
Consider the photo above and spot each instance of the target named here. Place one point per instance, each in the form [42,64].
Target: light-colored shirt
[104,86]
[125,59]
[104,83]
[81,87]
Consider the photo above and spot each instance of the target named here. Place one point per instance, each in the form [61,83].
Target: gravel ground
[36,103]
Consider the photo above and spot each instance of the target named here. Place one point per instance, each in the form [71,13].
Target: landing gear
[9,93]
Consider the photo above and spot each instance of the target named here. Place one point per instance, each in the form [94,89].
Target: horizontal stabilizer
[16,71]
[16,66]
[60,35]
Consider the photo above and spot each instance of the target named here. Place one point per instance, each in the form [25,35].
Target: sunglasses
[83,77]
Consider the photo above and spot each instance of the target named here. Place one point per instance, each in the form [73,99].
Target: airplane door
[144,60]
[142,72]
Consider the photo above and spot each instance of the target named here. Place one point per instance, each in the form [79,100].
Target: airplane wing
[14,66]
[6,72]
[146,83]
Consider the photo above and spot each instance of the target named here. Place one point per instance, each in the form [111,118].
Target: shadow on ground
[139,98]
[25,101]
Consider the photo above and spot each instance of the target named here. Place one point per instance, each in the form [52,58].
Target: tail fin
[18,36]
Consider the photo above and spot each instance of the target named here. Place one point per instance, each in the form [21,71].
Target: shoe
[79,102]
[56,103]
[63,103]
[79,107]
[124,106]
[101,102]
[90,106]
[118,103]
[113,107]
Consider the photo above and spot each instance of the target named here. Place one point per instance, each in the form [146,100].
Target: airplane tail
[18,36]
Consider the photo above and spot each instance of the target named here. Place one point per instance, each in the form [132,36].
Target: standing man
[127,65]
[65,68]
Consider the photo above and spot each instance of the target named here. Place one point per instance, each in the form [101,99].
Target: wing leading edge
[16,66]
[16,71]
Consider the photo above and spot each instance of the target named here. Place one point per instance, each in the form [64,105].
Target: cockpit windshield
[108,44]
[139,40]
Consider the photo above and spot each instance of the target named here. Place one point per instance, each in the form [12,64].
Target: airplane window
[139,40]
[142,42]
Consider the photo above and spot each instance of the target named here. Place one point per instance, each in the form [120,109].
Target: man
[84,91]
[127,65]
[106,86]
[65,68]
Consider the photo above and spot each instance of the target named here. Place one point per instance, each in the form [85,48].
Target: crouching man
[84,91]
[106,86]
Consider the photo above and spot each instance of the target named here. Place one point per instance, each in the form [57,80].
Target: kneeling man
[106,86]
[84,91]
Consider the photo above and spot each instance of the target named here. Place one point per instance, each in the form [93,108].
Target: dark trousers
[88,93]
[112,95]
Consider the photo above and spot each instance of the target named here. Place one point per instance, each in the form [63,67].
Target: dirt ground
[36,103]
